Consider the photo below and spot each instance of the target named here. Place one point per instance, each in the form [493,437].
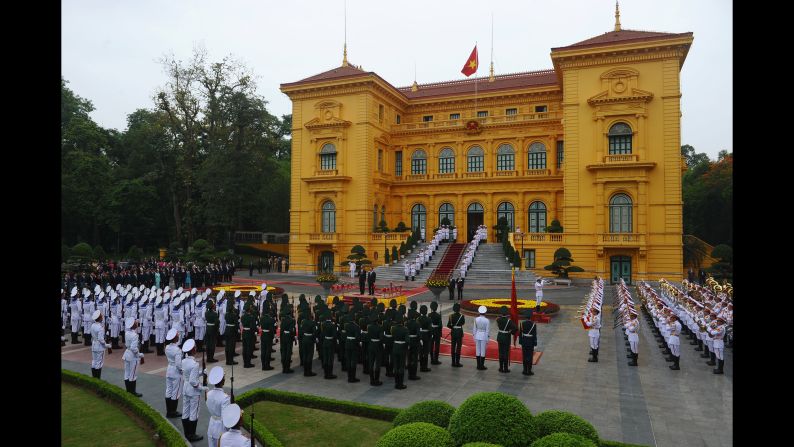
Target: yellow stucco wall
[637,84]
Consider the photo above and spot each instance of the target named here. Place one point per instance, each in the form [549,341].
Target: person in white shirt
[232,418]
[192,375]
[481,334]
[173,375]
[717,332]
[131,356]
[674,330]
[76,309]
[217,401]
[352,269]
[594,333]
[406,270]
[98,345]
[632,329]
[538,294]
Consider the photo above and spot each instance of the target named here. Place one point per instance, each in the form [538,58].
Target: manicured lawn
[87,420]
[298,426]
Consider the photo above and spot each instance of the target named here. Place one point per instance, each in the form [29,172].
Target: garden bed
[494,304]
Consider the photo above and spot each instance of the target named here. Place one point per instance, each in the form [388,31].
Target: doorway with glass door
[621,268]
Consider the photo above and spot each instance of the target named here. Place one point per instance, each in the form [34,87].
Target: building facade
[593,142]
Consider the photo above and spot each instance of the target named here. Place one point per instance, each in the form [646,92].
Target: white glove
[140,355]
[107,345]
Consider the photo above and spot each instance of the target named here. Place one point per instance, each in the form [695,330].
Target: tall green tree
[708,198]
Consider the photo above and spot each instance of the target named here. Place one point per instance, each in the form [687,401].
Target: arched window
[418,216]
[620,139]
[620,214]
[537,217]
[329,217]
[536,156]
[476,159]
[475,208]
[448,211]
[419,162]
[507,211]
[375,221]
[446,161]
[505,158]
[328,157]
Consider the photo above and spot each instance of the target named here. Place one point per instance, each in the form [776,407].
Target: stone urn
[327,286]
[436,290]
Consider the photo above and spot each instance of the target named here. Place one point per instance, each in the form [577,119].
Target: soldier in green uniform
[455,324]
[435,333]
[400,336]
[211,317]
[352,336]
[528,339]
[375,349]
[287,338]
[268,332]
[506,329]
[388,341]
[329,331]
[424,337]
[340,317]
[231,332]
[308,331]
[363,321]
[249,335]
[413,342]
[319,309]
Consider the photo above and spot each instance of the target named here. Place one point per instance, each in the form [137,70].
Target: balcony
[322,238]
[410,177]
[327,172]
[538,238]
[495,120]
[505,174]
[448,176]
[621,239]
[481,174]
[394,238]
[537,172]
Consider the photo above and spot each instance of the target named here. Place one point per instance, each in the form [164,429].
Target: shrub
[435,412]
[82,251]
[402,248]
[417,434]
[400,227]
[99,253]
[321,403]
[200,245]
[555,227]
[65,252]
[554,421]
[135,253]
[394,256]
[481,444]
[493,417]
[387,257]
[563,440]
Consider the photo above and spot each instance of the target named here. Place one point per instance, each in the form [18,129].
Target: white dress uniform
[192,388]
[538,292]
[352,269]
[88,309]
[233,438]
[200,324]
[633,329]
[64,313]
[159,323]
[217,400]
[413,271]
[76,307]
[173,375]
[594,323]
[674,330]
[718,343]
[131,355]
[178,320]
[406,270]
[222,316]
[481,333]
[98,345]
[146,321]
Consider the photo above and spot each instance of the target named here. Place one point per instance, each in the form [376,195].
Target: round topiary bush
[563,440]
[554,421]
[492,417]
[434,412]
[481,444]
[416,434]
[82,251]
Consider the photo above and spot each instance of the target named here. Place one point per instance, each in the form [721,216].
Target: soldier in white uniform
[177,319]
[64,317]
[633,330]
[98,344]
[413,271]
[454,234]
[594,333]
[131,356]
[217,400]
[173,375]
[88,309]
[717,333]
[199,323]
[76,309]
[145,310]
[406,270]
[222,318]
[159,326]
[352,269]
[192,375]
[232,418]
[674,329]
[115,320]
[481,334]
[422,231]
[538,294]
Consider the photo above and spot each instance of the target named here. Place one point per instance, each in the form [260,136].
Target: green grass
[89,421]
[298,426]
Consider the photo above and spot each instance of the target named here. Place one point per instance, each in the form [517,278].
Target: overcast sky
[110,48]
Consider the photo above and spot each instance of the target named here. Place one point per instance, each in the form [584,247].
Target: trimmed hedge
[493,417]
[416,434]
[320,403]
[162,428]
[435,412]
[605,443]
[563,440]
[260,432]
[555,421]
[481,444]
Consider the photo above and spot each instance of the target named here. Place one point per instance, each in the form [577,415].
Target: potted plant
[394,255]
[437,284]
[327,280]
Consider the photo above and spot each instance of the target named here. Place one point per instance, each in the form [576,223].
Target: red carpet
[468,349]
[449,261]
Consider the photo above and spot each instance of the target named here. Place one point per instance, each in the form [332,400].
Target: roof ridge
[472,80]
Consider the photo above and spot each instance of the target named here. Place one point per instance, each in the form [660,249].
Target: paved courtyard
[649,404]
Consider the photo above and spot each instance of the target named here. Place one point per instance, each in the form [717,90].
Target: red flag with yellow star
[471,64]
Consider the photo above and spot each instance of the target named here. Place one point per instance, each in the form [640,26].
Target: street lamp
[520,235]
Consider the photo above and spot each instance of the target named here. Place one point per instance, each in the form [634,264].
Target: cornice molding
[316,123]
[619,57]
[636,95]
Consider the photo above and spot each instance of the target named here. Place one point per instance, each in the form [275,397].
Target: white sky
[110,48]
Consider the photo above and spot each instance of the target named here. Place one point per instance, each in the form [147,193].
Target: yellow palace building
[594,143]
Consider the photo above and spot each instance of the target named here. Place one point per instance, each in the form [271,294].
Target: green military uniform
[308,331]
[413,344]
[286,338]
[506,329]
[363,321]
[329,332]
[374,349]
[339,319]
[388,341]
[231,332]
[268,332]
[211,317]
[528,339]
[455,324]
[424,337]
[400,336]
[352,337]
[302,313]
[249,321]
[435,333]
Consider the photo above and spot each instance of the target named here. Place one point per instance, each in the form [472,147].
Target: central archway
[474,218]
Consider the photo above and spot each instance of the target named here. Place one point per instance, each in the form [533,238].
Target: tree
[99,253]
[358,255]
[694,251]
[723,269]
[82,251]
[445,221]
[134,253]
[501,229]
[555,227]
[692,157]
[562,263]
[394,256]
[382,227]
[708,200]
[401,227]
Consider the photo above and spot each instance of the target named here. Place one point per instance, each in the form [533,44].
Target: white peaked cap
[198,300]
[101,294]
[97,288]
[251,293]
[264,286]
[237,294]
[128,324]
[231,415]
[108,289]
[171,334]
[193,291]
[158,301]
[179,290]
[482,309]
[189,344]
[216,374]
[221,293]
[96,314]
[166,289]
[74,292]
[129,286]
[129,300]
[141,287]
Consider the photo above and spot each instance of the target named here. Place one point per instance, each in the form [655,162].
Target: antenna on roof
[491,78]
[344,54]
[617,16]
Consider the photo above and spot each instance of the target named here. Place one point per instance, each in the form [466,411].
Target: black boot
[145,348]
[74,339]
[718,370]
[173,404]
[700,345]
[99,373]
[93,373]
[633,361]
[307,369]
[377,377]
[127,385]
[86,340]
[713,360]
[133,386]
[456,361]
[529,368]
[593,357]
[525,371]
[193,436]
[675,366]
[185,428]
[705,354]
[507,365]
[398,382]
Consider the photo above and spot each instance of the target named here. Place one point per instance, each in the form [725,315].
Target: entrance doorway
[474,218]
[621,268]
[325,263]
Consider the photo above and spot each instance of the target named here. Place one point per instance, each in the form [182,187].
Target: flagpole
[475,83]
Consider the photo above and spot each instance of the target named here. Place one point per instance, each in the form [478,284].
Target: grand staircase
[449,261]
[490,267]
[397,272]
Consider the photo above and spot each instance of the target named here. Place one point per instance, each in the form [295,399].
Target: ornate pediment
[329,122]
[606,97]
[618,85]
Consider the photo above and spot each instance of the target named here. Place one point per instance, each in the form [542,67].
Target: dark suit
[452,283]
[371,281]
[460,288]
[362,280]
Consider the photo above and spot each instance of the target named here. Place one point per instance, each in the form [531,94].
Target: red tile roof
[334,73]
[501,82]
[622,36]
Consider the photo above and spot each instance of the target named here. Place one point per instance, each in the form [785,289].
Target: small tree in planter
[401,227]
[387,257]
[402,248]
[723,269]
[416,236]
[445,221]
[382,228]
[394,256]
[358,255]
[555,227]
[562,263]
[82,251]
[327,280]
[437,284]
[501,229]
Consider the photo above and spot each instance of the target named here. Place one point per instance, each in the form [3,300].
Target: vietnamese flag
[471,64]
